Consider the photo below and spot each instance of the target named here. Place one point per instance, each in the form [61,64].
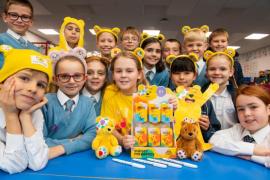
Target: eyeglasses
[130,39]
[77,77]
[15,16]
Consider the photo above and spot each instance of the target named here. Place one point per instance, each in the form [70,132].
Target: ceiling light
[256,36]
[92,31]
[234,47]
[48,31]
[152,32]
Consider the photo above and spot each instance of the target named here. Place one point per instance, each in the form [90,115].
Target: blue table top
[85,165]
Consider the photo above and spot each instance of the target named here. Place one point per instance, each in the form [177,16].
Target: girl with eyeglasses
[69,116]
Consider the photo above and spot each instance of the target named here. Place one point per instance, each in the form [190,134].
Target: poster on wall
[255,61]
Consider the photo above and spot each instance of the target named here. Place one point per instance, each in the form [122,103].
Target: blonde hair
[130,55]
[130,30]
[221,55]
[195,35]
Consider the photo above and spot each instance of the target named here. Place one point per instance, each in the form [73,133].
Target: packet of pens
[153,123]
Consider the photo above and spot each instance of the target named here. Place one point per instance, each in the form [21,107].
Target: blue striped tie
[148,76]
[23,42]
[93,99]
[69,105]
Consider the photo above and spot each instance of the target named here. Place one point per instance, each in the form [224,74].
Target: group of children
[35,127]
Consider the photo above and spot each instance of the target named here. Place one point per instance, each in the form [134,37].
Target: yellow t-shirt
[117,106]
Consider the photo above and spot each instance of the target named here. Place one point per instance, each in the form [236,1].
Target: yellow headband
[145,36]
[192,56]
[186,29]
[138,53]
[114,31]
[230,53]
[19,59]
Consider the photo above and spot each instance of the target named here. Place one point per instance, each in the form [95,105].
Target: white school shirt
[17,151]
[224,109]
[16,36]
[97,96]
[200,65]
[152,75]
[64,98]
[229,142]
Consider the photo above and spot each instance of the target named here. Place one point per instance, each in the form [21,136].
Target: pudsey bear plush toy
[188,145]
[105,142]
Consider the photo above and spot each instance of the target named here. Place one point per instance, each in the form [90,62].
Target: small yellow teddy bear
[105,142]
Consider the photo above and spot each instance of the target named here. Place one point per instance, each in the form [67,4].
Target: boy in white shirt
[24,79]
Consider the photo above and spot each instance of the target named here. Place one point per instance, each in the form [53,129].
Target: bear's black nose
[190,134]
[109,129]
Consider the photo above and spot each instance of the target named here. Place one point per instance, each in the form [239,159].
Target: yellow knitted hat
[62,40]
[18,59]
[114,31]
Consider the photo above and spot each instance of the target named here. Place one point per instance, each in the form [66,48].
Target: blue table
[85,165]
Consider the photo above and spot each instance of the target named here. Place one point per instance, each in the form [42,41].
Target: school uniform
[207,109]
[157,78]
[238,72]
[224,106]
[18,152]
[237,141]
[201,79]
[96,98]
[74,127]
[16,41]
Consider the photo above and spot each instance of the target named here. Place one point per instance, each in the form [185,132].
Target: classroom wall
[255,61]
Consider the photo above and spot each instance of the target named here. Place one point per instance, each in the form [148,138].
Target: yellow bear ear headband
[192,56]
[114,31]
[138,52]
[186,29]
[230,53]
[145,36]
